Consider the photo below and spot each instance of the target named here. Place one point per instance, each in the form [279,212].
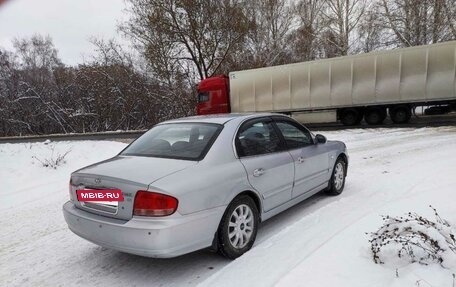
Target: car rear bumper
[160,237]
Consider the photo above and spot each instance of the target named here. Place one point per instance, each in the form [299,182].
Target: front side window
[294,136]
[203,97]
[189,141]
[257,138]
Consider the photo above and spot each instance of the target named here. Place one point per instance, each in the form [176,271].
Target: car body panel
[204,186]
[152,237]
[276,183]
[267,215]
[311,168]
[127,173]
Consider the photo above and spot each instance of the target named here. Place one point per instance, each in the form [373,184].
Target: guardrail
[74,136]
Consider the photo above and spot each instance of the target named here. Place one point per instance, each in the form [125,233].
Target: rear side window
[189,141]
[257,138]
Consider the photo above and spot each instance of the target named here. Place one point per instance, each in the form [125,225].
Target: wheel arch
[255,197]
[344,157]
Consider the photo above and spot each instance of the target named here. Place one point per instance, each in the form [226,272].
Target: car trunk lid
[127,173]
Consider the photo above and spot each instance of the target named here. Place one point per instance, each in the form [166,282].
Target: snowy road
[320,242]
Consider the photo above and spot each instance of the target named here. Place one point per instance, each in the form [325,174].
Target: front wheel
[238,228]
[337,181]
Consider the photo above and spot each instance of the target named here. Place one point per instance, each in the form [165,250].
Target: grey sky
[70,23]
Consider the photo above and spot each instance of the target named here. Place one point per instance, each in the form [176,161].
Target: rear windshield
[189,141]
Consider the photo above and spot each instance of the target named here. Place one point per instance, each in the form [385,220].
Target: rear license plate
[103,196]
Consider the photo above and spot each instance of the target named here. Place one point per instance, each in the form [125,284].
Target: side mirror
[321,139]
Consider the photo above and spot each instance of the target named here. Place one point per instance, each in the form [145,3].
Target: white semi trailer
[348,89]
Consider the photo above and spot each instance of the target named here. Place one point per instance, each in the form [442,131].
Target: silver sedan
[205,181]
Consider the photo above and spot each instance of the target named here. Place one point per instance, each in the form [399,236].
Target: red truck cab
[213,96]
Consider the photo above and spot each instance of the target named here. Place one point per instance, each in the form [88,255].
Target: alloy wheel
[240,226]
[339,176]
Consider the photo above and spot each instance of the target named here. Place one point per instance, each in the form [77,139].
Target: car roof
[221,118]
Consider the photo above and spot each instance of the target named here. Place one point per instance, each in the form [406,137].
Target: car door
[269,167]
[311,160]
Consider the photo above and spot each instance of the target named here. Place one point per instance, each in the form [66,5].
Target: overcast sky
[70,23]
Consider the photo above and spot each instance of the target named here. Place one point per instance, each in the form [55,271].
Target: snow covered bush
[53,159]
[417,239]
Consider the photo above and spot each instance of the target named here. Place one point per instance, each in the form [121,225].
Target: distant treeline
[40,95]
[177,43]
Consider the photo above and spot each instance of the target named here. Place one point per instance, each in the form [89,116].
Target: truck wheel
[375,116]
[400,114]
[351,117]
[238,228]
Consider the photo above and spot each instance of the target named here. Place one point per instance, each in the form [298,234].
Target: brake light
[70,191]
[154,204]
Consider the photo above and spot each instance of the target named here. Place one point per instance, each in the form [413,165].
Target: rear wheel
[400,114]
[375,116]
[337,181]
[238,228]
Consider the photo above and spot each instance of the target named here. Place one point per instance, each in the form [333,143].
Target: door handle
[300,159]
[258,172]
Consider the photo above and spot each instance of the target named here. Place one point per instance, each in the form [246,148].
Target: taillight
[70,192]
[154,204]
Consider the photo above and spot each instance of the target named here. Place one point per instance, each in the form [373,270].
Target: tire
[235,237]
[351,117]
[400,114]
[360,117]
[375,116]
[337,182]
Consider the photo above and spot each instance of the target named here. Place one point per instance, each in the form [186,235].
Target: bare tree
[449,8]
[37,52]
[372,35]
[418,22]
[112,93]
[272,23]
[36,61]
[342,18]
[7,90]
[306,38]
[182,36]
[40,95]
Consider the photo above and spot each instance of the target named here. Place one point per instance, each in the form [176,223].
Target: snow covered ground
[320,242]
